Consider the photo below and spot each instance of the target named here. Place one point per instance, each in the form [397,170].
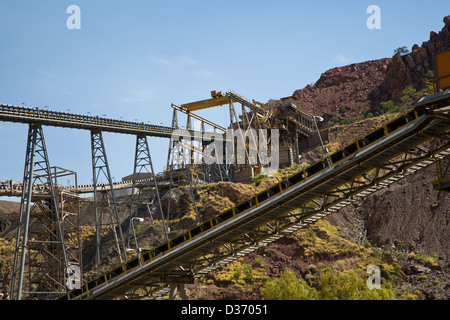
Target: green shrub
[259,262]
[366,114]
[333,121]
[409,95]
[389,106]
[328,285]
[312,234]
[247,270]
[237,273]
[367,244]
[333,285]
[402,50]
[256,180]
[422,278]
[430,74]
[392,272]
[386,106]
[288,287]
[350,120]
[343,108]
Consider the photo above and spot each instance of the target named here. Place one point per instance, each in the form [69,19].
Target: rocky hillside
[411,69]
[312,253]
[411,216]
[359,88]
[347,86]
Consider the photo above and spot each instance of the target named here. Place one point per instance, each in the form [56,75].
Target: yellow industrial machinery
[442,183]
[442,61]
[218,99]
[443,69]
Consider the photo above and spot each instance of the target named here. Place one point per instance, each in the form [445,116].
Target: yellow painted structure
[443,69]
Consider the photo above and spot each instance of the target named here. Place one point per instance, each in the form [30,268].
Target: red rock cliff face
[361,86]
[410,69]
[348,86]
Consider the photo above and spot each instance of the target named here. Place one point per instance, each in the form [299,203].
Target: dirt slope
[410,215]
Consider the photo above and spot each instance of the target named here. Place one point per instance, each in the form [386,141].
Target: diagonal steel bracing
[40,260]
[349,193]
[143,166]
[383,157]
[107,221]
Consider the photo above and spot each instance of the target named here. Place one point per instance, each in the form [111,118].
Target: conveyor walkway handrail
[23,114]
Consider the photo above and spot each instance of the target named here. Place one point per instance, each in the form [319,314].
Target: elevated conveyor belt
[14,189]
[379,159]
[20,114]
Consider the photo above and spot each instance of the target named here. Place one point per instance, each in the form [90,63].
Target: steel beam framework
[349,193]
[11,113]
[369,164]
[388,154]
[40,260]
[143,165]
[107,221]
[442,183]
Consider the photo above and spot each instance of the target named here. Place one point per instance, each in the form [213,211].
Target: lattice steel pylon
[107,220]
[40,260]
[185,151]
[143,165]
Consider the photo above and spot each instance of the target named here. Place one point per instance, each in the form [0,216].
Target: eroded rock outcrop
[411,69]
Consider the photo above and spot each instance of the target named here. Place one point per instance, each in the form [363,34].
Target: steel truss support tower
[143,166]
[108,227]
[184,153]
[40,260]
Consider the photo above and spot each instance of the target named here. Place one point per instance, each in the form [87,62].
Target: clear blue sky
[132,59]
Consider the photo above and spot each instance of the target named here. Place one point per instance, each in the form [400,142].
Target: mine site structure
[48,261]
[49,210]
[47,241]
[47,244]
[388,154]
[252,116]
